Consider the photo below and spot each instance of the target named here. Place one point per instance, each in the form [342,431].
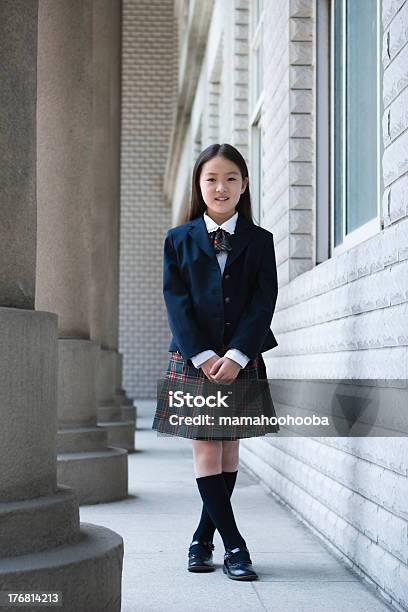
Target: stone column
[43,547]
[17,171]
[67,231]
[118,421]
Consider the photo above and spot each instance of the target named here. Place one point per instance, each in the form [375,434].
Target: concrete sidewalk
[297,573]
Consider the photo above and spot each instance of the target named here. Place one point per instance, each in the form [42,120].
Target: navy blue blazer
[207,310]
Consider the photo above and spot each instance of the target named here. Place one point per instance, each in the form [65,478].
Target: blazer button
[227,299]
[227,276]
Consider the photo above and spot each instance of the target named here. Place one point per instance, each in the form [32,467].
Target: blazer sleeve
[180,311]
[255,321]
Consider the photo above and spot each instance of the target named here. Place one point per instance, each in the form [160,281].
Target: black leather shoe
[200,557]
[238,564]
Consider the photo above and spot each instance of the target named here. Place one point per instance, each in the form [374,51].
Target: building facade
[314,94]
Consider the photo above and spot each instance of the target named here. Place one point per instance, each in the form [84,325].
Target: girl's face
[221,185]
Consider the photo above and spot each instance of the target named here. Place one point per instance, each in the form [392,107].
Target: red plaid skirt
[252,398]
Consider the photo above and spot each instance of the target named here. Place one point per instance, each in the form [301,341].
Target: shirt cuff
[237,356]
[200,358]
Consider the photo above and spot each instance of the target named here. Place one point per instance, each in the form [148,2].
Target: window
[256,98]
[348,107]
[355,130]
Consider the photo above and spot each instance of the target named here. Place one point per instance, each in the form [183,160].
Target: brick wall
[148,90]
[395,120]
[288,124]
[345,318]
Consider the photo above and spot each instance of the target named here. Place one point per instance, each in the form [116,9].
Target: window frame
[256,105]
[256,162]
[322,109]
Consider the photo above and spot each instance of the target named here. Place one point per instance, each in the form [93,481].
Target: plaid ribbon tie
[220,239]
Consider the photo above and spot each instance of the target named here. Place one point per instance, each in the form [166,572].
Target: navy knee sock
[215,496]
[206,528]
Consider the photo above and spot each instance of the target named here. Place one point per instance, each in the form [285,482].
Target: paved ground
[297,573]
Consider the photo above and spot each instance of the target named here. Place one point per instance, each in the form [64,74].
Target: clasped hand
[221,369]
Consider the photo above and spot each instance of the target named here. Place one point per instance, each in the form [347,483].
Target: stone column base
[86,462]
[115,416]
[119,422]
[33,525]
[87,572]
[119,396]
[98,476]
[121,399]
[121,434]
[43,546]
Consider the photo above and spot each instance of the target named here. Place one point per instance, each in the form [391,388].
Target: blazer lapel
[199,233]
[240,238]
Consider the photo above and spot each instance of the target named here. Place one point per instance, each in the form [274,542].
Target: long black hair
[197,204]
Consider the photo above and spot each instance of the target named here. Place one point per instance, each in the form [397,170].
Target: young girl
[220,289]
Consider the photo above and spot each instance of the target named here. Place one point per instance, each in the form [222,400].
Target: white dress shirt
[234,354]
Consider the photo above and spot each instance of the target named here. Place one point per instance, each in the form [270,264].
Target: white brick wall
[148,91]
[234,79]
[288,115]
[395,120]
[367,534]
[345,318]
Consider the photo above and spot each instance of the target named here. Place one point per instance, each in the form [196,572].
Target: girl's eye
[231,178]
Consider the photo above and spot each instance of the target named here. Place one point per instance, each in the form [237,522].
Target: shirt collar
[228,226]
